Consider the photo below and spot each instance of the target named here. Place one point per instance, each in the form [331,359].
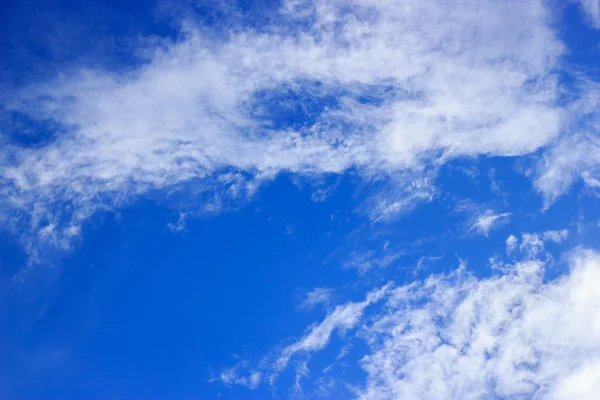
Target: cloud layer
[455,336]
[387,87]
[506,336]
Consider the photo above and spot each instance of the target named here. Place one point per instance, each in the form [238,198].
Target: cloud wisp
[317,296]
[484,223]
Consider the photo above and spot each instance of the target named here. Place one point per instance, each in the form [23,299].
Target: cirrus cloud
[401,89]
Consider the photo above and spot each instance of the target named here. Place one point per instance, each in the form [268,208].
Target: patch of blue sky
[167,285]
[193,289]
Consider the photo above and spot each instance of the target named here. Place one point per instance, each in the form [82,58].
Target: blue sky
[300,199]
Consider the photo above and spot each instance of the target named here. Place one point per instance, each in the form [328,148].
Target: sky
[297,199]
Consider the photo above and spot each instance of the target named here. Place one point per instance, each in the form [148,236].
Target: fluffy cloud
[505,336]
[533,243]
[398,86]
[511,243]
[575,155]
[455,336]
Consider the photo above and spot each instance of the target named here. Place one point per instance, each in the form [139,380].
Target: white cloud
[533,243]
[583,384]
[363,261]
[232,376]
[343,317]
[451,78]
[511,335]
[484,223]
[591,10]
[315,297]
[425,262]
[506,336]
[576,155]
[590,180]
[302,371]
[556,236]
[180,225]
[511,243]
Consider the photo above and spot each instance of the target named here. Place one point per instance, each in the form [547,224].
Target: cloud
[533,243]
[180,225]
[487,221]
[556,236]
[581,384]
[343,317]
[315,297]
[511,335]
[426,262]
[363,261]
[591,10]
[569,160]
[232,376]
[576,155]
[302,371]
[394,88]
[514,334]
[511,243]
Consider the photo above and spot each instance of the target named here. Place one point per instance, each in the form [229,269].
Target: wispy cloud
[533,243]
[591,10]
[445,79]
[457,336]
[576,155]
[485,222]
[511,243]
[180,225]
[233,376]
[315,297]
[511,335]
[342,317]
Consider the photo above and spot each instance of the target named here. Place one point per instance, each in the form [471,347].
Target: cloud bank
[379,87]
[507,336]
[456,336]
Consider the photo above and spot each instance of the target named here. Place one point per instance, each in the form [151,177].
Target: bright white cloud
[577,154]
[451,78]
[533,243]
[485,222]
[457,337]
